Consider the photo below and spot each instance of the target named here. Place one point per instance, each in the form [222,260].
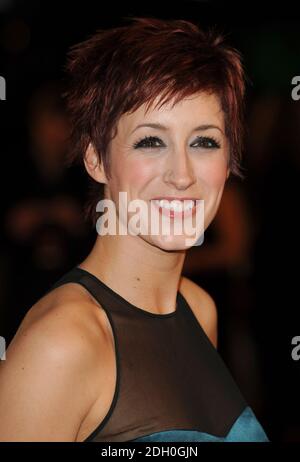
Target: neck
[143,274]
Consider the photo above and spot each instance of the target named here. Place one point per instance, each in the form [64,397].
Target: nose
[180,173]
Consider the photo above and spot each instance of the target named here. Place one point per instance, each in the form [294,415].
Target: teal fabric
[245,429]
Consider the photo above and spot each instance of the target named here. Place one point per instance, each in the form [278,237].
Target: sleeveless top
[171,385]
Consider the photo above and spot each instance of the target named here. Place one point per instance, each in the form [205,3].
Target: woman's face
[178,152]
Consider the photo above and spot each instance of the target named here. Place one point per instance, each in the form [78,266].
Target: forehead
[201,108]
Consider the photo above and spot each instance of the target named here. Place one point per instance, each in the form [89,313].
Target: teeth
[176,205]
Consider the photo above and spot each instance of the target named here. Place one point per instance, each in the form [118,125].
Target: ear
[228,173]
[93,166]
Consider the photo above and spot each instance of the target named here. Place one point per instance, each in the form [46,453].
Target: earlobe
[93,165]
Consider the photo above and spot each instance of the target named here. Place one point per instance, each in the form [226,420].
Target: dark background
[34,39]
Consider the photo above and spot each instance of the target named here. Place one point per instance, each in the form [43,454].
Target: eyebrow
[202,127]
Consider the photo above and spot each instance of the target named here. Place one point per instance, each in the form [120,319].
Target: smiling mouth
[176,207]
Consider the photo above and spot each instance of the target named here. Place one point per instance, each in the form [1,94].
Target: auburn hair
[117,70]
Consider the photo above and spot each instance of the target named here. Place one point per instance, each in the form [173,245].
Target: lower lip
[173,214]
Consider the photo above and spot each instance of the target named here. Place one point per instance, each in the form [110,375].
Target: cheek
[213,173]
[138,174]
[213,178]
[132,175]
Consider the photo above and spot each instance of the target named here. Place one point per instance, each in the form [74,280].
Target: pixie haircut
[117,70]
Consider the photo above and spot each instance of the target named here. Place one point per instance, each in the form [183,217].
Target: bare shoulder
[203,306]
[49,367]
[66,319]
[68,303]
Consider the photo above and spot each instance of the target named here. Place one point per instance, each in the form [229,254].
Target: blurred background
[250,254]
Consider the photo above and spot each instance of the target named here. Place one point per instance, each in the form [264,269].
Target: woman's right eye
[148,142]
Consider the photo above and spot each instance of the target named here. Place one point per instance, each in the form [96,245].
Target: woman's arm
[45,378]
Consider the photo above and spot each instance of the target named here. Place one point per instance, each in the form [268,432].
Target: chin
[175,243]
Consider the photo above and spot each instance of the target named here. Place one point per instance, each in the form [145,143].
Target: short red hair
[117,70]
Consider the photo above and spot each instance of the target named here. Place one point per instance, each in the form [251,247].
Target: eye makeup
[152,142]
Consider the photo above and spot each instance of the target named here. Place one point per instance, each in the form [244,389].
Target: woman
[122,347]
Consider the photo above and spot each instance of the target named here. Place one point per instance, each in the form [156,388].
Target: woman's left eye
[207,142]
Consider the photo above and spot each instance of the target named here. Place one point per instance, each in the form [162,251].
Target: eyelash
[148,140]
